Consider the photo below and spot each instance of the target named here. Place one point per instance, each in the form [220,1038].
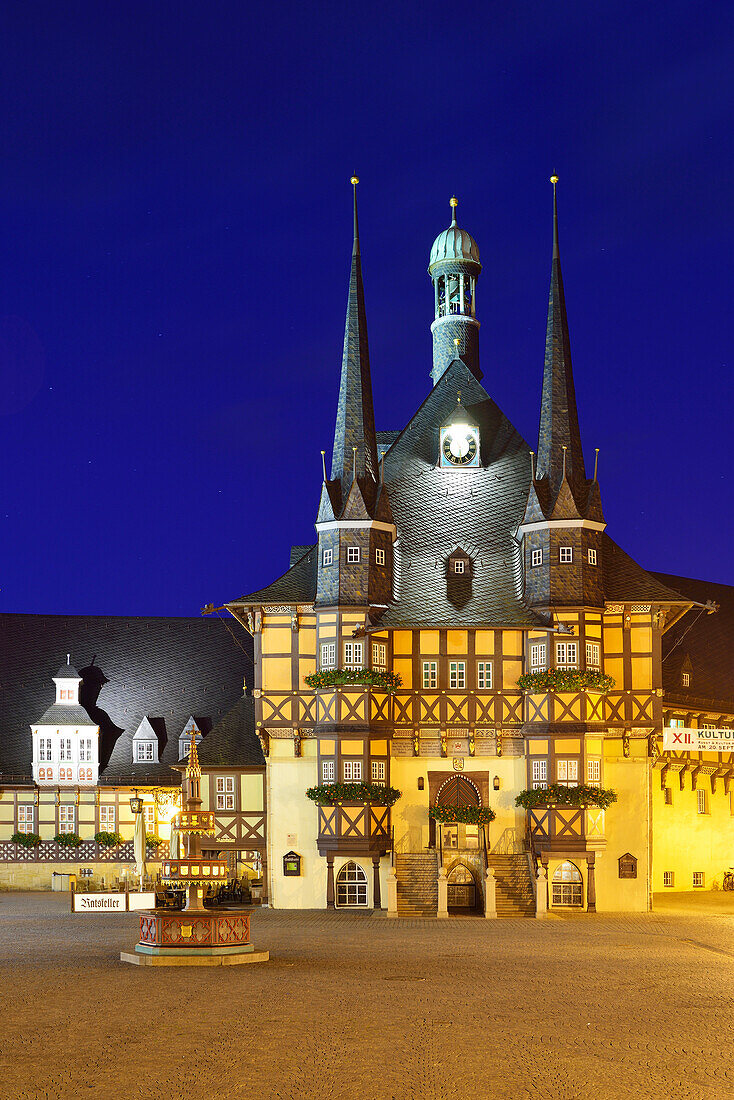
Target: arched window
[351,885]
[568,886]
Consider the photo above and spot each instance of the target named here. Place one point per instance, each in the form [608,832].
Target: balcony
[354,828]
[564,829]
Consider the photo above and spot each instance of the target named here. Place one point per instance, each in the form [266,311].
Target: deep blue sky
[175,225]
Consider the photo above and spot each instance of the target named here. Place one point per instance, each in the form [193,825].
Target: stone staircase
[514,889]
[417,884]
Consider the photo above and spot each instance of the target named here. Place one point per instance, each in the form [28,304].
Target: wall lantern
[136,804]
[421,782]
[496,783]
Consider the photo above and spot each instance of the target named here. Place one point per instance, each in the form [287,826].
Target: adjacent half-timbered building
[465,630]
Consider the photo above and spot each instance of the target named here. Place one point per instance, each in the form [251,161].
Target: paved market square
[357,1005]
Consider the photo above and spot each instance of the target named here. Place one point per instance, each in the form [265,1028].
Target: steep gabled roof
[296,585]
[165,668]
[233,740]
[707,640]
[624,579]
[437,509]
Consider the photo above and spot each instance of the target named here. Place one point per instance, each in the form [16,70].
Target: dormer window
[184,741]
[686,679]
[352,555]
[144,752]
[459,566]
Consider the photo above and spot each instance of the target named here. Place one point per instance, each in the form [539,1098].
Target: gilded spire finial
[193,768]
[453,203]
[354,181]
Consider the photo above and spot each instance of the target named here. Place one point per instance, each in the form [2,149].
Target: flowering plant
[68,840]
[566,679]
[109,840]
[26,840]
[329,793]
[466,815]
[580,795]
[336,677]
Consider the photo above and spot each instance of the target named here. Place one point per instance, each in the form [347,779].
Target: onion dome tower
[454,269]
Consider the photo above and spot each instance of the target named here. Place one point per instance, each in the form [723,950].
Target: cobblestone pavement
[355,1005]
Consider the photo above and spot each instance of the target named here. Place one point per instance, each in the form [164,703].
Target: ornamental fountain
[194,935]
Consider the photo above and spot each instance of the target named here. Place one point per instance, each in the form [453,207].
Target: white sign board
[681,739]
[112,903]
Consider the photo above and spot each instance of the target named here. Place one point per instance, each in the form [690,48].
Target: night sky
[175,219]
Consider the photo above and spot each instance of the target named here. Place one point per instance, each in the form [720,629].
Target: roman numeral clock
[459,434]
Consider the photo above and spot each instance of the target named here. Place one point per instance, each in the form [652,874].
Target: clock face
[459,445]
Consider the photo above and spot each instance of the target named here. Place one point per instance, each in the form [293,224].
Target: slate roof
[59,715]
[67,672]
[233,740]
[297,585]
[624,579]
[707,640]
[167,668]
[438,510]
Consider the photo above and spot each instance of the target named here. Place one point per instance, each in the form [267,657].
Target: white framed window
[457,675]
[351,886]
[44,748]
[703,802]
[378,771]
[536,557]
[676,724]
[593,772]
[143,751]
[686,679]
[327,771]
[328,654]
[67,817]
[567,772]
[225,792]
[430,674]
[107,818]
[567,654]
[85,775]
[698,878]
[352,554]
[566,553]
[592,557]
[149,818]
[327,557]
[45,773]
[65,775]
[65,749]
[668,796]
[353,652]
[26,817]
[593,654]
[708,726]
[379,655]
[85,748]
[538,655]
[484,675]
[379,556]
[668,878]
[352,771]
[459,566]
[539,773]
[568,886]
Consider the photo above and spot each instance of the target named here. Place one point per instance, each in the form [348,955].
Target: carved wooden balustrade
[354,828]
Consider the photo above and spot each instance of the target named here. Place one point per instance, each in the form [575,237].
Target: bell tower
[454,268]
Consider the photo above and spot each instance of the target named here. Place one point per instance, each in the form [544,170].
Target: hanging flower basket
[464,815]
[330,793]
[565,679]
[339,677]
[558,795]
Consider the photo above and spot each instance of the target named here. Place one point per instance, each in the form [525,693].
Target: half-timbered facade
[456,557]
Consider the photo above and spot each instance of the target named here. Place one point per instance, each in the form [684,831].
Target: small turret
[454,268]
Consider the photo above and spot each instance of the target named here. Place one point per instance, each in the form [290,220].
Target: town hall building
[463,697]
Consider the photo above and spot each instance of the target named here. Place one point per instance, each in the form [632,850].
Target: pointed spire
[453,203]
[559,442]
[193,767]
[355,418]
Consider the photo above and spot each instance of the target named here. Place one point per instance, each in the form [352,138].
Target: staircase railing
[392,845]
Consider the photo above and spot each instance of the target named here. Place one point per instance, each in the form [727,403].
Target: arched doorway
[462,893]
[568,885]
[459,791]
[351,886]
